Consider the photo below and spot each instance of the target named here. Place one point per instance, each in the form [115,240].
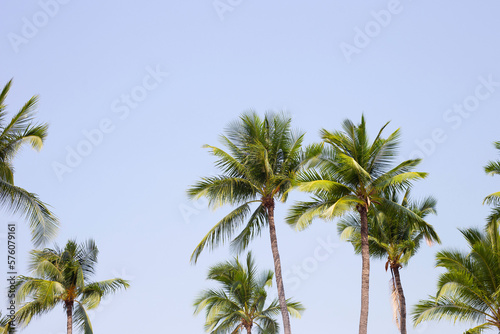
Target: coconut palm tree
[493,168]
[240,303]
[21,130]
[352,174]
[468,289]
[62,277]
[262,158]
[392,237]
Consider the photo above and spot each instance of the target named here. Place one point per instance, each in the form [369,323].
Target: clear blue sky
[158,79]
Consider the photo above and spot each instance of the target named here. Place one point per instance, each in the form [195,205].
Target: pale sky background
[128,192]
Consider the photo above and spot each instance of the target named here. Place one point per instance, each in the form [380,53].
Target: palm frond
[93,292]
[3,96]
[448,309]
[220,190]
[255,223]
[492,199]
[30,310]
[82,319]
[222,231]
[301,214]
[43,224]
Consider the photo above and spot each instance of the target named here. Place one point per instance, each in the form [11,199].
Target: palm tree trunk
[365,272]
[69,315]
[402,301]
[277,268]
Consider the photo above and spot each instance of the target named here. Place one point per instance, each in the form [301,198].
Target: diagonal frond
[492,199]
[220,190]
[255,223]
[43,223]
[81,319]
[222,231]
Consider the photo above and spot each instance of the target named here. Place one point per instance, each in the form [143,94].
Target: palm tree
[493,168]
[351,175]
[261,162]
[13,135]
[393,237]
[61,277]
[468,289]
[240,304]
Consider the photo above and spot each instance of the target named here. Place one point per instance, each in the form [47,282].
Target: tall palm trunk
[402,301]
[365,272]
[69,315]
[269,204]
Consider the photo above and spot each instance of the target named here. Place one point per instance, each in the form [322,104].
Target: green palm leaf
[82,320]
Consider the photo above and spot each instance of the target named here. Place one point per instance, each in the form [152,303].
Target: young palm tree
[61,277]
[394,237]
[351,175]
[240,304]
[468,289]
[13,135]
[262,158]
[493,168]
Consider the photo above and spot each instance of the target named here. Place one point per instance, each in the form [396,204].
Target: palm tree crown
[240,303]
[13,135]
[468,289]
[258,166]
[62,277]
